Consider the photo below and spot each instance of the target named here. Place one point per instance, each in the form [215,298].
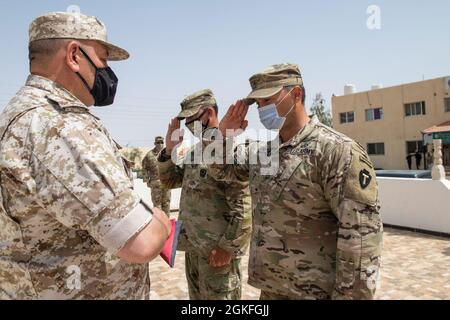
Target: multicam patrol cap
[272,80]
[159,140]
[68,25]
[192,104]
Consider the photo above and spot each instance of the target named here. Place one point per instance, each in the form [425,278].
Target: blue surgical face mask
[270,118]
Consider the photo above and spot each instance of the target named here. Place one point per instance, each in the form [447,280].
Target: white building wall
[415,203]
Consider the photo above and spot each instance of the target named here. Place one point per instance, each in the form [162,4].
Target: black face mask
[105,84]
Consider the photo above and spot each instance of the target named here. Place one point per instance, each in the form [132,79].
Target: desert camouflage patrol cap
[192,104]
[159,140]
[272,80]
[69,25]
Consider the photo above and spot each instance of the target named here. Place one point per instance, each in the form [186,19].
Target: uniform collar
[155,152]
[56,92]
[302,134]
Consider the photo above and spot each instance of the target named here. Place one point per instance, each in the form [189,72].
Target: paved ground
[415,266]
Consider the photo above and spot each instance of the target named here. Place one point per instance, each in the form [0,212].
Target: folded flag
[170,248]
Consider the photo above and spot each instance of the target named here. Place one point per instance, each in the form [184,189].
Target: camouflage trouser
[266,295]
[160,196]
[208,283]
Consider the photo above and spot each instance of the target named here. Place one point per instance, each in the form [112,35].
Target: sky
[179,47]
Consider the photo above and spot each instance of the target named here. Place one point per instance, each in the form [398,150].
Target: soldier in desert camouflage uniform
[216,215]
[71,225]
[160,195]
[317,231]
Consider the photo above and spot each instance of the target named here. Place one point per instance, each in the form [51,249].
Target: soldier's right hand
[234,123]
[174,136]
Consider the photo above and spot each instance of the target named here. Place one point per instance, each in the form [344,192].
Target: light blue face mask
[270,118]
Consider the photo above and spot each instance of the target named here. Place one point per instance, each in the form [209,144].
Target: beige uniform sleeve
[82,181]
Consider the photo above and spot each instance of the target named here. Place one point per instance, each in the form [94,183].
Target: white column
[438,171]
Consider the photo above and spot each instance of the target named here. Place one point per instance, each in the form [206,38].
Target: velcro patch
[364,178]
[360,182]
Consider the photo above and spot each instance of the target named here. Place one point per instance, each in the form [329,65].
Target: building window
[374,114]
[447,104]
[375,148]
[347,117]
[415,109]
[413,146]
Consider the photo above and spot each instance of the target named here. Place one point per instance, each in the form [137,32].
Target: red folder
[170,248]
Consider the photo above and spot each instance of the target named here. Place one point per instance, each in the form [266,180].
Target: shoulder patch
[360,180]
[364,178]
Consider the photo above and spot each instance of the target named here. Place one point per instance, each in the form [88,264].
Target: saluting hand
[234,123]
[174,136]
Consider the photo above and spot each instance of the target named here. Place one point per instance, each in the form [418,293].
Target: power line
[148,97]
[131,111]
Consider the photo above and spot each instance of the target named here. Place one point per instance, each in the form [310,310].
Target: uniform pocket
[223,283]
[345,274]
[371,251]
[371,273]
[220,284]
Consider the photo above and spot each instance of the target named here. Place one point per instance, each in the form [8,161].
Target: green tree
[319,109]
[135,154]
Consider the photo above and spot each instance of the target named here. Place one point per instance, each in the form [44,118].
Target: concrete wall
[395,129]
[416,203]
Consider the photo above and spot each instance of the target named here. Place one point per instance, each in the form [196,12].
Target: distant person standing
[409,160]
[160,195]
[418,156]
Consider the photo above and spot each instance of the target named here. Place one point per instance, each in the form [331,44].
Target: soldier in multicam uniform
[160,195]
[71,225]
[317,231]
[216,215]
